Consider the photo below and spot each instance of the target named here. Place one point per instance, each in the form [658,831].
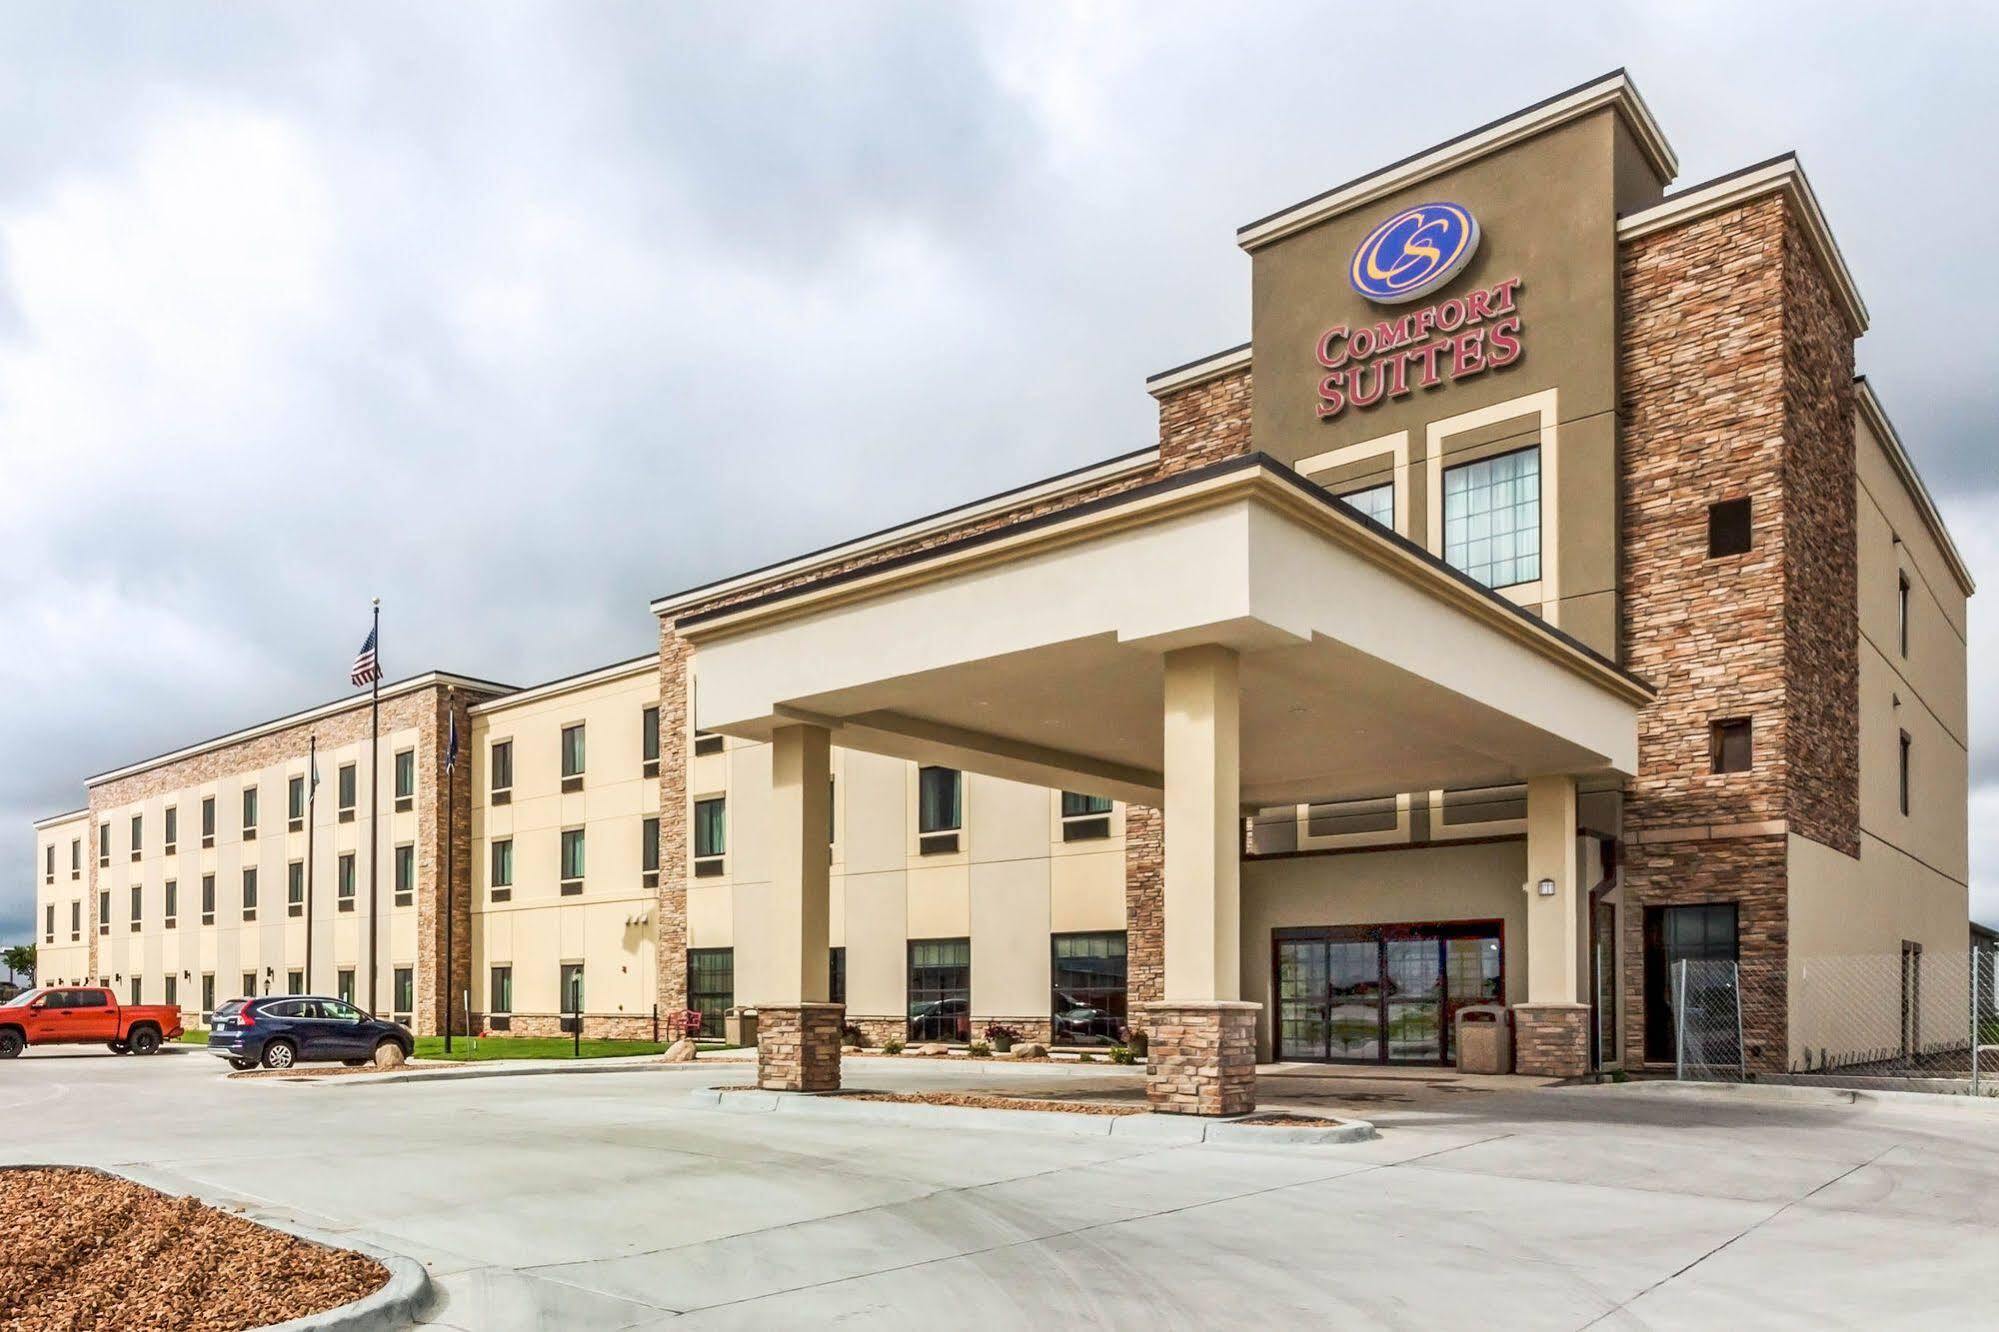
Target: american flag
[367,669]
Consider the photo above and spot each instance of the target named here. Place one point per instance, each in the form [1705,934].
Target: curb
[1152,1127]
[469,1074]
[1902,1097]
[396,1305]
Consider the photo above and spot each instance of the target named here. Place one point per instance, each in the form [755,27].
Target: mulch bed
[86,1252]
[323,1071]
[976,1101]
[1279,1120]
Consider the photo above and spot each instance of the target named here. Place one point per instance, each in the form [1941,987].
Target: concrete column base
[1551,1040]
[798,1047]
[1201,1059]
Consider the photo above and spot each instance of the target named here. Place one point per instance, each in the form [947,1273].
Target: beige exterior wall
[60,954]
[608,926]
[1474,882]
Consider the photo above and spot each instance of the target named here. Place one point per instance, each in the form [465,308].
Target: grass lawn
[532,1047]
[194,1036]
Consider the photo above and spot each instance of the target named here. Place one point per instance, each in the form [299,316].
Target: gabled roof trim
[1905,467]
[596,675]
[1614,89]
[1168,382]
[428,680]
[1780,174]
[51,820]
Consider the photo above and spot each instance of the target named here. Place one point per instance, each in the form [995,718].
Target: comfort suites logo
[1410,255]
[1415,252]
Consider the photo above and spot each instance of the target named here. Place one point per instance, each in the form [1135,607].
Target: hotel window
[572,757]
[405,994]
[1492,518]
[173,902]
[1902,612]
[711,837]
[711,986]
[49,923]
[1903,748]
[405,874]
[940,809]
[172,995]
[295,804]
[502,770]
[345,881]
[1375,502]
[250,894]
[172,831]
[343,985]
[649,741]
[104,845]
[345,791]
[295,888]
[49,863]
[208,821]
[138,991]
[138,907]
[1728,528]
[649,853]
[836,975]
[249,984]
[104,911]
[405,780]
[940,989]
[707,742]
[572,861]
[207,996]
[1730,745]
[1088,989]
[572,987]
[294,982]
[1085,817]
[502,990]
[503,870]
[138,835]
[76,855]
[75,921]
[249,813]
[208,899]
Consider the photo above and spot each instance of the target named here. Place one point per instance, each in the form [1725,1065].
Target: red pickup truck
[84,1015]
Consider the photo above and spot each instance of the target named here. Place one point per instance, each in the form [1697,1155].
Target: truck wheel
[279,1054]
[118,1047]
[145,1041]
[10,1043]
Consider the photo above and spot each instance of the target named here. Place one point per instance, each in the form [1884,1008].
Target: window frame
[170,918]
[572,778]
[1540,518]
[404,767]
[933,1027]
[250,812]
[649,851]
[1347,497]
[1902,587]
[500,988]
[708,829]
[346,791]
[295,888]
[574,837]
[1082,819]
[939,838]
[1728,536]
[208,899]
[295,802]
[704,965]
[138,836]
[649,740]
[249,892]
[500,763]
[1720,732]
[402,859]
[1905,746]
[207,822]
[500,889]
[345,881]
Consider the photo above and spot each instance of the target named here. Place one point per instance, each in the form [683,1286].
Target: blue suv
[278,1032]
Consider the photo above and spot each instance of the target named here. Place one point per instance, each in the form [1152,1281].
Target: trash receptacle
[739,1026]
[1485,1039]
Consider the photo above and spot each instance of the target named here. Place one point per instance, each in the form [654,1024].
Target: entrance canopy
[1036,652]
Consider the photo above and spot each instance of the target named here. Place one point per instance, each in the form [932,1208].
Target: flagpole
[311,801]
[374,802]
[450,852]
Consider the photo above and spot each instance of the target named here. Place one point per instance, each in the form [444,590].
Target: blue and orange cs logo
[1414,252]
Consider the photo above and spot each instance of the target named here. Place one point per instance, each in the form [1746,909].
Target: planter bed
[89,1251]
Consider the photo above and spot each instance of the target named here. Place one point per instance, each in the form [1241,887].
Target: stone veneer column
[1551,1040]
[676,745]
[1551,1030]
[1202,1057]
[798,1046]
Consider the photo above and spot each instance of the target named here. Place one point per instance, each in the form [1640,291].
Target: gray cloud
[520,317]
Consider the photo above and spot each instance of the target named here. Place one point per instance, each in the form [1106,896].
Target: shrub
[979,1049]
[891,1046]
[1086,1058]
[851,1034]
[1121,1055]
[999,1032]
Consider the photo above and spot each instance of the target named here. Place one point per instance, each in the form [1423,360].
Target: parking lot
[606,1201]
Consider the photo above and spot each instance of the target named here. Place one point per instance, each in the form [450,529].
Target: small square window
[1728,528]
[1729,745]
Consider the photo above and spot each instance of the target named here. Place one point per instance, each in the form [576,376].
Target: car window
[229,1009]
[341,1012]
[56,999]
[87,999]
[23,999]
[286,1008]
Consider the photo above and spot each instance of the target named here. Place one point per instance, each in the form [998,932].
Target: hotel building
[1537,598]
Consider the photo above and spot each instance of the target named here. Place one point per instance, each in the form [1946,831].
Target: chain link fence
[1920,1019]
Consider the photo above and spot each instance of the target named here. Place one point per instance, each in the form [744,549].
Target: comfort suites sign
[1407,257]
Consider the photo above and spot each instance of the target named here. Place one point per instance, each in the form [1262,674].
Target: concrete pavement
[609,1201]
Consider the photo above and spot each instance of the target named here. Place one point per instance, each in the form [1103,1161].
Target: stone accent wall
[1202,1060]
[676,751]
[596,1026]
[1821,592]
[434,982]
[879,1029]
[1144,908]
[1205,423]
[798,1048]
[1551,1040]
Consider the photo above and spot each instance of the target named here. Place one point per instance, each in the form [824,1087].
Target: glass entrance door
[1381,993]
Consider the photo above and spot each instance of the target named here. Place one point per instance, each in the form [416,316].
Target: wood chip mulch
[320,1071]
[978,1101]
[85,1252]
[1276,1120]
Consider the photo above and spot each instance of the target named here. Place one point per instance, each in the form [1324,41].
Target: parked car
[84,1015]
[278,1031]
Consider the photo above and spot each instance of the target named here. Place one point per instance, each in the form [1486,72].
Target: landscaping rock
[389,1055]
[1030,1050]
[933,1049]
[680,1052]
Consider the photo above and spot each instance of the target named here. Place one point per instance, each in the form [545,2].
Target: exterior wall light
[1546,887]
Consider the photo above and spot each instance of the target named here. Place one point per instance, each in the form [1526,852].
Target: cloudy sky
[518,315]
